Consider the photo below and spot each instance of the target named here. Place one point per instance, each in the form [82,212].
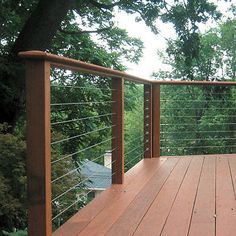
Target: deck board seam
[175,196]
[117,198]
[155,197]
[215,190]
[231,175]
[196,194]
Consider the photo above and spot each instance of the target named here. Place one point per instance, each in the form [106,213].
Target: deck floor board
[225,200]
[180,215]
[203,217]
[190,195]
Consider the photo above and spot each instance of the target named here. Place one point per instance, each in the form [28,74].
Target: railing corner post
[156,119]
[117,130]
[38,147]
[147,137]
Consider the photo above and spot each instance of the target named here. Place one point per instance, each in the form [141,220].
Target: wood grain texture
[180,215]
[118,131]
[178,197]
[156,120]
[104,221]
[161,206]
[38,148]
[80,66]
[138,207]
[203,217]
[225,200]
[136,176]
[232,165]
[77,65]
[147,126]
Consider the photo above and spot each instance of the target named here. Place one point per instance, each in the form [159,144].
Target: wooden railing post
[156,120]
[38,147]
[147,121]
[118,130]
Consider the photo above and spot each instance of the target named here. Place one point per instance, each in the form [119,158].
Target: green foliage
[133,125]
[197,120]
[17,233]
[186,17]
[12,180]
[216,57]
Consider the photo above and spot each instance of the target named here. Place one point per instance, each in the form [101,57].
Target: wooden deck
[193,195]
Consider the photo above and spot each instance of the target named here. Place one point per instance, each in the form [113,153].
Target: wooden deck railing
[38,65]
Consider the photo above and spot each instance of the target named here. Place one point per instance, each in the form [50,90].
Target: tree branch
[85,31]
[104,6]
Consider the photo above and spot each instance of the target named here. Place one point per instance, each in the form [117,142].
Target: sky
[150,61]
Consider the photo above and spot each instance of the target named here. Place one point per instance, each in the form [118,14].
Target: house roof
[99,176]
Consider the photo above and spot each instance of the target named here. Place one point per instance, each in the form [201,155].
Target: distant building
[99,176]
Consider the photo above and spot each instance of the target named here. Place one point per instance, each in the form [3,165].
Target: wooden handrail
[183,82]
[80,66]
[77,65]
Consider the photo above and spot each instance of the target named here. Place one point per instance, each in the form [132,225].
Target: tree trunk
[37,34]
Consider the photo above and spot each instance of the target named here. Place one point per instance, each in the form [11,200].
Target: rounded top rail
[183,82]
[80,66]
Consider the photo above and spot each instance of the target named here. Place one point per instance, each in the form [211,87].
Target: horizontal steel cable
[76,185]
[204,139]
[132,150]
[74,170]
[209,101]
[200,131]
[196,94]
[82,118]
[81,87]
[197,147]
[126,143]
[81,135]
[67,208]
[134,97]
[142,153]
[82,150]
[210,108]
[80,103]
[198,124]
[197,116]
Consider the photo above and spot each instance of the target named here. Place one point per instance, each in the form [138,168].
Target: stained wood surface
[225,199]
[118,131]
[38,148]
[134,178]
[80,66]
[156,122]
[175,196]
[203,217]
[77,65]
[147,126]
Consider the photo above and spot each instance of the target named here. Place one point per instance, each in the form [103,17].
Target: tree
[12,180]
[186,17]
[197,120]
[36,24]
[215,60]
[62,25]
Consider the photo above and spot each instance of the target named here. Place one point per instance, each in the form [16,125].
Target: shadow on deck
[190,195]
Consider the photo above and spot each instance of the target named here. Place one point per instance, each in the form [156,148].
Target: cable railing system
[133,125]
[81,115]
[75,117]
[197,120]
[81,134]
